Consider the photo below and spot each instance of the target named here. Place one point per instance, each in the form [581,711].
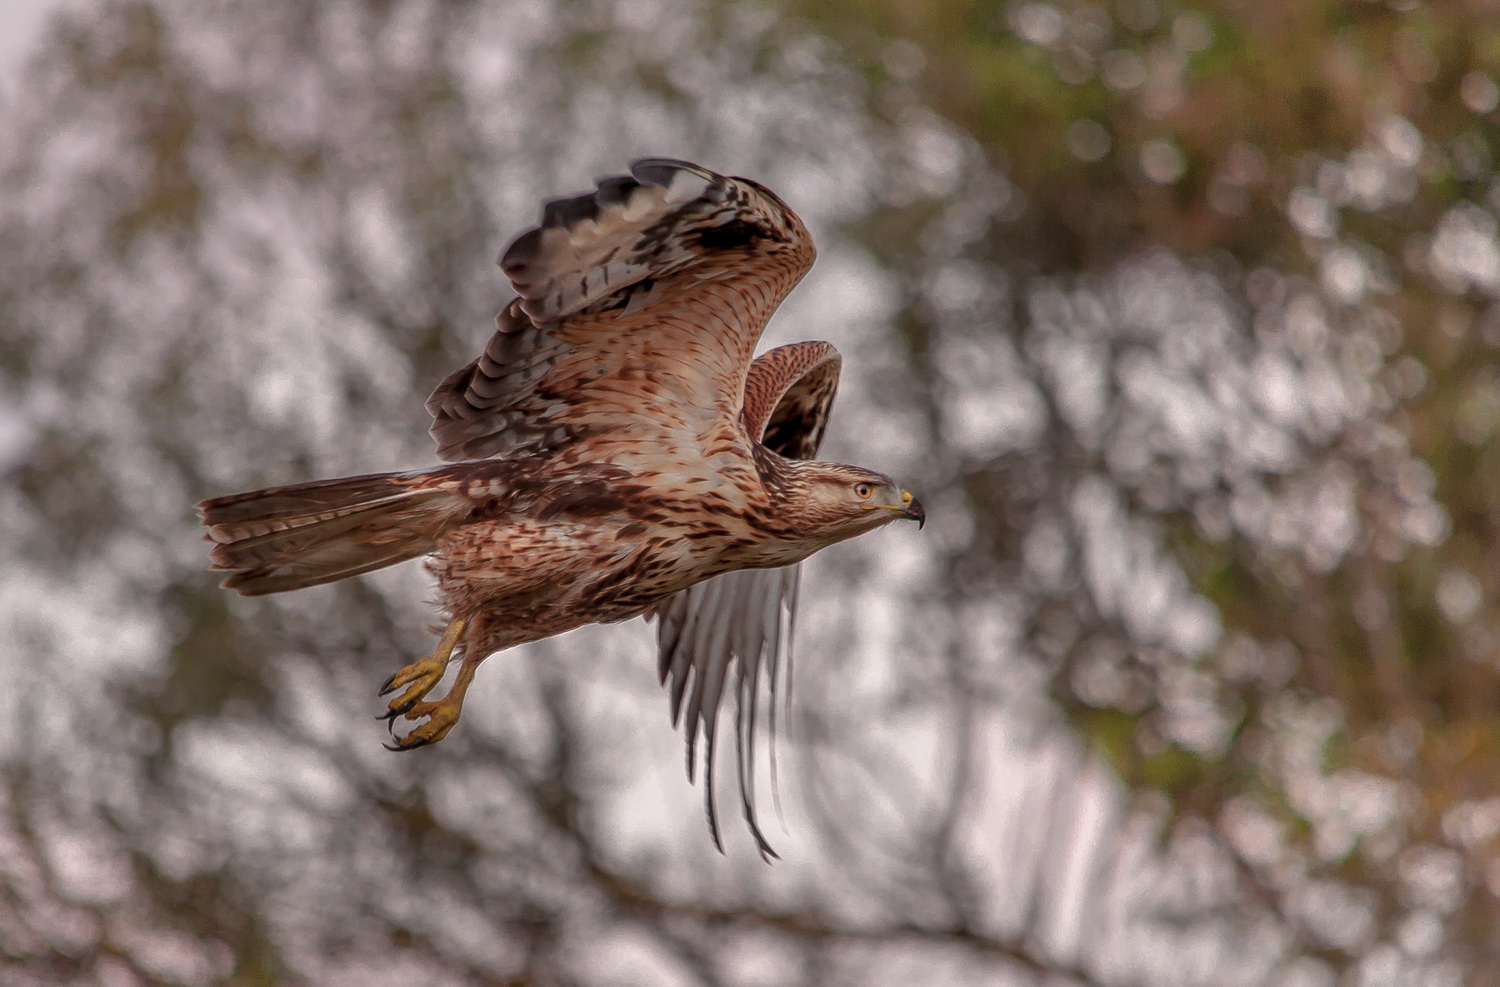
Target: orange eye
[863,491]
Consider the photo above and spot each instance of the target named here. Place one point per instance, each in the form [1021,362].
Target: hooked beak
[912,509]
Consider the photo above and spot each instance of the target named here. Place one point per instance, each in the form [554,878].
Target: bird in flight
[614,452]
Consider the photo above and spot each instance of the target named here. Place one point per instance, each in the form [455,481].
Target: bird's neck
[786,493]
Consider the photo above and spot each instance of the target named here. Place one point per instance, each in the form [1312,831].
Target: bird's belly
[531,580]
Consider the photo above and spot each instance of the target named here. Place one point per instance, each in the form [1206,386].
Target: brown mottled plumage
[614,452]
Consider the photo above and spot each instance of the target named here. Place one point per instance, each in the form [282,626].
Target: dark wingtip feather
[708,792]
[591,247]
[561,213]
[615,190]
[521,254]
[660,171]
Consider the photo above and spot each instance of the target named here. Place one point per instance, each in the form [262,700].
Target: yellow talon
[441,716]
[421,677]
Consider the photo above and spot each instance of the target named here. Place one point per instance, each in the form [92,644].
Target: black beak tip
[916,512]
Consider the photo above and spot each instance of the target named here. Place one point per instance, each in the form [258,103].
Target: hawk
[614,452]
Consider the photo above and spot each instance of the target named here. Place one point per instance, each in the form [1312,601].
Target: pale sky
[21,24]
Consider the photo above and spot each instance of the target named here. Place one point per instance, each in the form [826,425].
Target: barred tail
[285,538]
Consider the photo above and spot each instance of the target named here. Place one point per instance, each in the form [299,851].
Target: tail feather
[285,538]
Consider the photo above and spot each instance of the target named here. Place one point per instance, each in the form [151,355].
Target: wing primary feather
[735,624]
[714,677]
[746,715]
[615,190]
[746,689]
[745,729]
[683,180]
[749,647]
[704,633]
[791,584]
[562,213]
[708,797]
[754,652]
[685,669]
[771,634]
[668,630]
[716,647]
[682,662]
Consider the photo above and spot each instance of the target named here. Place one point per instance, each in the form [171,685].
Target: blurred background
[1182,317]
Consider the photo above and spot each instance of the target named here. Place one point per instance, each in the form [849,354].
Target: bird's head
[833,502]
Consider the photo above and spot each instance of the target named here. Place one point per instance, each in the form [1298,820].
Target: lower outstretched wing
[741,623]
[638,306]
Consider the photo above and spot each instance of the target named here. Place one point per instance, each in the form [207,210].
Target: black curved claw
[403,745]
[396,711]
[388,686]
[390,722]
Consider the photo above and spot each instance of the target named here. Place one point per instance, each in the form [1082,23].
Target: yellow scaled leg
[417,680]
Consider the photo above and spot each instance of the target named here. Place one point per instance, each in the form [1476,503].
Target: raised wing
[639,306]
[746,619]
[788,395]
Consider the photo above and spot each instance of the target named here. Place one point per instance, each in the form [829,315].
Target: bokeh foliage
[1332,165]
[1181,316]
